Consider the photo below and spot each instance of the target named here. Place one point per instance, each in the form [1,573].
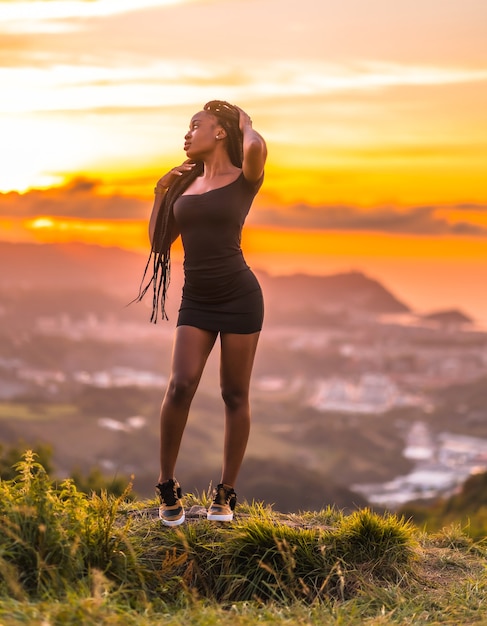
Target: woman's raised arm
[254,149]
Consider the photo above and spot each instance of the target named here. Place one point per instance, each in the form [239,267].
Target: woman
[206,200]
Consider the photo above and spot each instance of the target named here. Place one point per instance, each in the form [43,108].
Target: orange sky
[374,114]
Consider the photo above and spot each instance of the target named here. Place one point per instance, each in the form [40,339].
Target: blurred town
[350,386]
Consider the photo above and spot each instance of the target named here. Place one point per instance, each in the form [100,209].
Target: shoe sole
[219,518]
[176,522]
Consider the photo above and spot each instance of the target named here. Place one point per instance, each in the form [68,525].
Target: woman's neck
[217,167]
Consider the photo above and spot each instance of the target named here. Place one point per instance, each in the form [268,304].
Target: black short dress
[220,292]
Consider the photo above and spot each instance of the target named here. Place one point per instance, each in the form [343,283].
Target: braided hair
[228,117]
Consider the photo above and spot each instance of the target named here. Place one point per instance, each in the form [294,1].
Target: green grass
[71,558]
[36,411]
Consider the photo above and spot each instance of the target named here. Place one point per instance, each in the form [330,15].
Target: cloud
[423,220]
[81,198]
[481,208]
[84,198]
[26,14]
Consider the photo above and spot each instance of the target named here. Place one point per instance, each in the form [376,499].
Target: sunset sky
[374,111]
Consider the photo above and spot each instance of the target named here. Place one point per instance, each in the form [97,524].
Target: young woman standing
[206,200]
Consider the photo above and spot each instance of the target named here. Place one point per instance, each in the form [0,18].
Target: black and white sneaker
[171,510]
[223,505]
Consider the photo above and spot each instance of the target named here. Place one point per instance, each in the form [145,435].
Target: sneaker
[223,505]
[171,511]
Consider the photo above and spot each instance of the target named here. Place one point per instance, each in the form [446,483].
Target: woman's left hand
[244,120]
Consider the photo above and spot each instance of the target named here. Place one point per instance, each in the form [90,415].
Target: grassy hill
[72,559]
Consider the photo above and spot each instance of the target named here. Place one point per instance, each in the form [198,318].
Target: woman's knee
[181,389]
[235,398]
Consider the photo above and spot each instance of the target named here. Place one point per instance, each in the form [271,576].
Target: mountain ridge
[42,267]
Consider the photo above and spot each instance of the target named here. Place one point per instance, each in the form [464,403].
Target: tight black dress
[220,292]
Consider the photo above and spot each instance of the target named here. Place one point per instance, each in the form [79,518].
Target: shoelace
[169,494]
[227,495]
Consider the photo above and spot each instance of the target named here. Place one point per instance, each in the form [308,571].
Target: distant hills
[351,291]
[69,265]
[50,268]
[449,317]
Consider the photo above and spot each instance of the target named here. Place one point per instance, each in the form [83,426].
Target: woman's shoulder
[254,185]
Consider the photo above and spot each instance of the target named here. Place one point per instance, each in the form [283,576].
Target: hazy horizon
[457,290]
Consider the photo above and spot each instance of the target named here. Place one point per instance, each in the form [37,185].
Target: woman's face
[201,137]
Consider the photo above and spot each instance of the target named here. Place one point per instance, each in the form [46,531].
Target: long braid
[228,117]
[161,245]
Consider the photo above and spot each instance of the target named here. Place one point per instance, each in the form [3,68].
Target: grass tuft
[55,537]
[71,558]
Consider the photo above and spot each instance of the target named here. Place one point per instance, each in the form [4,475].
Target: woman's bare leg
[237,359]
[192,347]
